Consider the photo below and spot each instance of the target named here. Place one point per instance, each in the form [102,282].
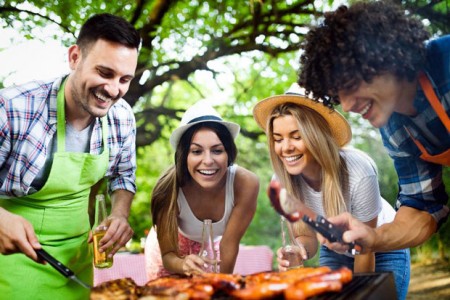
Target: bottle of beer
[207,251]
[101,259]
[290,245]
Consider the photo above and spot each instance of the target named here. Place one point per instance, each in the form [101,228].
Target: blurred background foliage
[233,53]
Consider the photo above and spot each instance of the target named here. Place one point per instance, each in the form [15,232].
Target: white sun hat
[200,112]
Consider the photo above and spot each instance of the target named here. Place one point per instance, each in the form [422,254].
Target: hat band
[295,94]
[205,118]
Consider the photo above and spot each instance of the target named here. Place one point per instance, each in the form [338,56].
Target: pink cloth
[125,265]
[253,259]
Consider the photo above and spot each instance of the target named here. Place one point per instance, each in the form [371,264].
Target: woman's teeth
[207,172]
[292,158]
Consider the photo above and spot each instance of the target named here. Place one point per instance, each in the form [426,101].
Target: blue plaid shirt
[420,182]
[28,121]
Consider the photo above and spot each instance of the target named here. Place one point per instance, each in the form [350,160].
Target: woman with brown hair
[203,184]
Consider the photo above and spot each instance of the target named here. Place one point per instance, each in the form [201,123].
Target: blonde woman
[203,184]
[306,142]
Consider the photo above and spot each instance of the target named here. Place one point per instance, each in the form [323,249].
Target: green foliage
[152,161]
[266,222]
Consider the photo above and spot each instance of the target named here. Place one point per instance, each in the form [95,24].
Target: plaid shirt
[28,121]
[420,181]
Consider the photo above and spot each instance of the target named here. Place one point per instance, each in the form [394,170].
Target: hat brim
[176,135]
[338,124]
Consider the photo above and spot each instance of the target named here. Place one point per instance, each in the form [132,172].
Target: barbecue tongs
[294,210]
[44,255]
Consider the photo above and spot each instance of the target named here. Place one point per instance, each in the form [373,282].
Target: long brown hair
[164,206]
[317,136]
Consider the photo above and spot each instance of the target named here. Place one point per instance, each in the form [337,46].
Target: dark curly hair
[357,43]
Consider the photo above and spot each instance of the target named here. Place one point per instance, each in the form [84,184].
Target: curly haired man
[376,60]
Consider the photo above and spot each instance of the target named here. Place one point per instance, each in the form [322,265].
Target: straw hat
[200,112]
[296,95]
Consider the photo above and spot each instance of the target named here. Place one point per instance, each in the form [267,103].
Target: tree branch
[15,10]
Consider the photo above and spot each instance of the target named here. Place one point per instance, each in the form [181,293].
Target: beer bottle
[101,259]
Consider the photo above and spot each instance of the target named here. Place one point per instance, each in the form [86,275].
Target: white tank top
[191,227]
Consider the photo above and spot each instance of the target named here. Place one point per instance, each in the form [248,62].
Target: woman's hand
[193,264]
[298,254]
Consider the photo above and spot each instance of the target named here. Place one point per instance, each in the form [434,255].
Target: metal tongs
[294,210]
[44,255]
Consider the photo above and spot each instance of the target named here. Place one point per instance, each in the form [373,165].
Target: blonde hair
[317,136]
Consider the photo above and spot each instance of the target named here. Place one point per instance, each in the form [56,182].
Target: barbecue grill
[365,286]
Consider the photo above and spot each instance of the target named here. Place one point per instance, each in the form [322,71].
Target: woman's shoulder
[242,174]
[359,161]
[245,180]
[246,189]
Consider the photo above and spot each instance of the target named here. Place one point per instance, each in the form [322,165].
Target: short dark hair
[184,144]
[357,43]
[108,27]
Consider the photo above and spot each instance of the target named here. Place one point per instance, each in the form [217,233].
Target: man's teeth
[102,97]
[292,158]
[366,109]
[207,172]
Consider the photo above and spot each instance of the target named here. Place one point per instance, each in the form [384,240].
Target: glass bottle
[207,251]
[101,259]
[290,246]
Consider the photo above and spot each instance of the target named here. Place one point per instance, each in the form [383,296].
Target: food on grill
[119,289]
[318,284]
[273,284]
[298,283]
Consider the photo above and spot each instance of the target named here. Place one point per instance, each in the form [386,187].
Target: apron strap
[61,118]
[444,157]
[433,99]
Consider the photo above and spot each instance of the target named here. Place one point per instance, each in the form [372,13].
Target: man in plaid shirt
[57,140]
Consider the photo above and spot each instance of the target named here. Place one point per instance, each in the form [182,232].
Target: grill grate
[365,286]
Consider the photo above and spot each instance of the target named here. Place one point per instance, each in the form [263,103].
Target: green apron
[59,215]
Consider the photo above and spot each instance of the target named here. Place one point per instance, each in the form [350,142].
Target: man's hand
[410,228]
[17,235]
[355,231]
[118,234]
[119,230]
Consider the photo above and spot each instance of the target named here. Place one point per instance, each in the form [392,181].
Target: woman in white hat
[203,184]
[306,140]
